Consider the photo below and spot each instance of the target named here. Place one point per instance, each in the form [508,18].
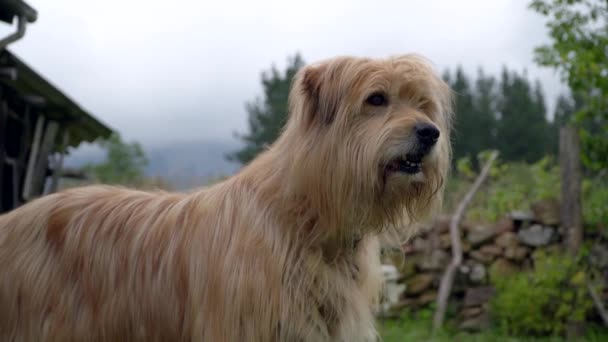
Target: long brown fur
[285,250]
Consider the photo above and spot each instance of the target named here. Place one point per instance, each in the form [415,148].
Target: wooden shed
[38,122]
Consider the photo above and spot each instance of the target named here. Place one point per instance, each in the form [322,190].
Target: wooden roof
[56,105]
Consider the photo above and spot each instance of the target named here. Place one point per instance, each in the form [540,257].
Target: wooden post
[571,203]
[3,123]
[571,206]
[26,135]
[48,142]
[58,167]
[31,164]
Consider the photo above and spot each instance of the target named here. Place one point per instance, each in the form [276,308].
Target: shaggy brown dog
[286,250]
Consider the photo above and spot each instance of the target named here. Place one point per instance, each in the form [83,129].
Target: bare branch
[597,301]
[447,280]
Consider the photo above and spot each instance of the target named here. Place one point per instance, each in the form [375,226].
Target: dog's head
[370,137]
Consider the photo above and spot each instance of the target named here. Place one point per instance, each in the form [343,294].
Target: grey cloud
[182,70]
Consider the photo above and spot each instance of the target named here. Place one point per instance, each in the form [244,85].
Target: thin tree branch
[447,280]
[598,304]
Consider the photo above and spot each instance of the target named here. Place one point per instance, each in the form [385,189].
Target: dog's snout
[427,133]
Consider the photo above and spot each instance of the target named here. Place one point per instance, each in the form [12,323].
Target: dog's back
[103,263]
[112,264]
[85,263]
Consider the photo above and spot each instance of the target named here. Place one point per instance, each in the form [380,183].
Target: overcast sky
[181,70]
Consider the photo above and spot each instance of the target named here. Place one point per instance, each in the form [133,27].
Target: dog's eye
[377,99]
[426,106]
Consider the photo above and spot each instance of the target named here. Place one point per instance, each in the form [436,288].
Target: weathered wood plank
[3,123]
[31,164]
[23,148]
[58,167]
[12,163]
[571,203]
[42,163]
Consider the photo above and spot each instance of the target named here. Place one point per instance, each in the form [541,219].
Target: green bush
[125,163]
[595,199]
[510,186]
[515,186]
[543,300]
[546,178]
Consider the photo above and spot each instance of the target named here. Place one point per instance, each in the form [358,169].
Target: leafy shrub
[543,300]
[515,186]
[510,186]
[546,178]
[125,163]
[595,199]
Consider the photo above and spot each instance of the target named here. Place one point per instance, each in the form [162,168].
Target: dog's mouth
[409,164]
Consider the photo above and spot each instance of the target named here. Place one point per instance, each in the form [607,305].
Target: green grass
[419,330]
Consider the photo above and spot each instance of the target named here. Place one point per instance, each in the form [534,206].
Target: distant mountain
[186,165]
[183,165]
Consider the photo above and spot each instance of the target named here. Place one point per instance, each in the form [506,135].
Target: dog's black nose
[427,133]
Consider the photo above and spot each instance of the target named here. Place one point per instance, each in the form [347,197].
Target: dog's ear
[320,88]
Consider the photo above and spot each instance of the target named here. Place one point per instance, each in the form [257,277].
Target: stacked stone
[504,248]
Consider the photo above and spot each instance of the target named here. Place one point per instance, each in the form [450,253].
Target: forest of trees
[507,112]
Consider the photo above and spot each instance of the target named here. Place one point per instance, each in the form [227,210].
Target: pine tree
[522,129]
[485,103]
[566,107]
[475,124]
[268,114]
[464,125]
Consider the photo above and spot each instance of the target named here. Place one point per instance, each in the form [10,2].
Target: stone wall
[506,247]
